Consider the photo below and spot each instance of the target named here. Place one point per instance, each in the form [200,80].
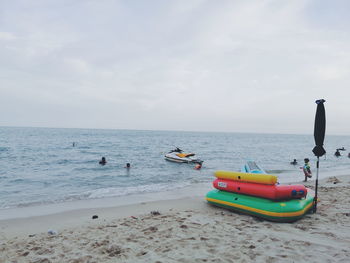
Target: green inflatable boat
[279,211]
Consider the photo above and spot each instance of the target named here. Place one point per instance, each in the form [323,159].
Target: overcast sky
[196,65]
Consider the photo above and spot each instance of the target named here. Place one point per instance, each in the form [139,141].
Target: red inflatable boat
[274,192]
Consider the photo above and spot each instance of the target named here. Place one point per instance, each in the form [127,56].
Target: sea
[43,166]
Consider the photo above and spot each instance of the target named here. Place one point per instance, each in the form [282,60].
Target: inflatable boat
[178,156]
[284,211]
[274,192]
[252,167]
[247,177]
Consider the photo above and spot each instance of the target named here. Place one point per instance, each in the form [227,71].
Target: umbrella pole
[316,186]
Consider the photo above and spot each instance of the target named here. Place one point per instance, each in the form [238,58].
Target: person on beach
[306,169]
[127,166]
[294,162]
[103,161]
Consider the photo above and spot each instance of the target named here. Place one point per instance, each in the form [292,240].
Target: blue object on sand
[252,167]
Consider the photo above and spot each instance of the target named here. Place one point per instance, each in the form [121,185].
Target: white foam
[125,191]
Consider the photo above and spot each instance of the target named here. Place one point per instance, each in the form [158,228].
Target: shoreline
[39,219]
[199,189]
[56,215]
[109,202]
[186,229]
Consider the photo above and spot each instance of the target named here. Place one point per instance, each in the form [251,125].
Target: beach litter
[52,232]
[333,180]
[155,213]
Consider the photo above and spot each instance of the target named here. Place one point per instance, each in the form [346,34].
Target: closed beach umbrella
[319,133]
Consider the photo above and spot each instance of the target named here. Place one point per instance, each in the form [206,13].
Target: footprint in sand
[24,254]
[100,243]
[142,253]
[82,259]
[212,250]
[112,250]
[42,260]
[149,230]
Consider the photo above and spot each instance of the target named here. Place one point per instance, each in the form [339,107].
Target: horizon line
[165,130]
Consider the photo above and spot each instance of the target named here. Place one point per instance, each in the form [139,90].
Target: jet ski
[177,155]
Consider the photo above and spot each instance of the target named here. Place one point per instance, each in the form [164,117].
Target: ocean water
[41,166]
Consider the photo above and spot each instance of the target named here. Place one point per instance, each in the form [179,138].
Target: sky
[190,65]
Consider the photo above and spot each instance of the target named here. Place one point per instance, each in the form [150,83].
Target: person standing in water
[306,169]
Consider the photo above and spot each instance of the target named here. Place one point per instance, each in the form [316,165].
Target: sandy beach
[182,230]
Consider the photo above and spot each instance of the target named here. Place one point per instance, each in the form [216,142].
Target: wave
[4,149]
[99,194]
[123,191]
[277,171]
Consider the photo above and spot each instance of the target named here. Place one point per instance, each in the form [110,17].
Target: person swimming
[198,166]
[102,161]
[127,166]
[337,153]
[294,162]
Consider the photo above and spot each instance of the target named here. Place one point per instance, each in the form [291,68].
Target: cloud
[195,65]
[7,36]
[80,66]
[334,72]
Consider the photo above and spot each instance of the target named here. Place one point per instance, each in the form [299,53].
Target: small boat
[178,156]
[273,192]
[283,211]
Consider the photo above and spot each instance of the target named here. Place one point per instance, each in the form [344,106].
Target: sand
[183,230]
